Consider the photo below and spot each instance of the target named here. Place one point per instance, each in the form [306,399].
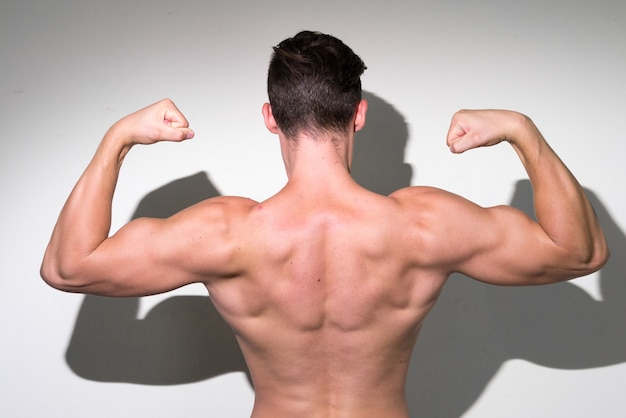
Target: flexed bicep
[133,262]
[566,241]
[505,247]
[499,245]
[149,256]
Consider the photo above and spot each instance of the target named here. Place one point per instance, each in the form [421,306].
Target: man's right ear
[359,116]
[268,117]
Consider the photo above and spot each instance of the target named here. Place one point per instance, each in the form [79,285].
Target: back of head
[314,84]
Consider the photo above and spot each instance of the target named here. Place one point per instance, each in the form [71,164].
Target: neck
[317,158]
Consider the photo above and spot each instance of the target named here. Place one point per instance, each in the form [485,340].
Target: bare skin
[325,284]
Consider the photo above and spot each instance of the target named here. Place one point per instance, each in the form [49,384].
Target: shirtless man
[325,284]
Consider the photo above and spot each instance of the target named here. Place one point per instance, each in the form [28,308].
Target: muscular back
[329,303]
[325,284]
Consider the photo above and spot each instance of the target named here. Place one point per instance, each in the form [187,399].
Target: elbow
[599,256]
[573,262]
[65,279]
[52,276]
[593,259]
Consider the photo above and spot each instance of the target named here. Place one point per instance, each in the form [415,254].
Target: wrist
[115,145]
[525,139]
[517,127]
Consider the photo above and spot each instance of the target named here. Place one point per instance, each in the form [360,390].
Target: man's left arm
[80,252]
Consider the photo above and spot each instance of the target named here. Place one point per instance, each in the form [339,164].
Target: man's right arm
[501,245]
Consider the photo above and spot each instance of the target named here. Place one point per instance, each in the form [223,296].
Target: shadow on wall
[182,339]
[472,330]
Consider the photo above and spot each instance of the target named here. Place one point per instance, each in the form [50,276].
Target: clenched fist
[161,121]
[482,128]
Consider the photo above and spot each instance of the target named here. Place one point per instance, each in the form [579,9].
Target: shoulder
[214,220]
[425,209]
[419,200]
[208,235]
[434,221]
[224,208]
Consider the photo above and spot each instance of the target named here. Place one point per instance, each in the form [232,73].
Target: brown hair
[314,84]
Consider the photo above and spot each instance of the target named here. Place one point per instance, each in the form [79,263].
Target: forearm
[561,205]
[85,220]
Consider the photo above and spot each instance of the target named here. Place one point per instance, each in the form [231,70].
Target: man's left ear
[359,117]
[268,117]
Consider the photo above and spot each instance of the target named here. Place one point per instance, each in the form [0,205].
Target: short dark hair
[314,84]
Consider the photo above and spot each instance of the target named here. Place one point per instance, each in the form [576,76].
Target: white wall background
[71,68]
